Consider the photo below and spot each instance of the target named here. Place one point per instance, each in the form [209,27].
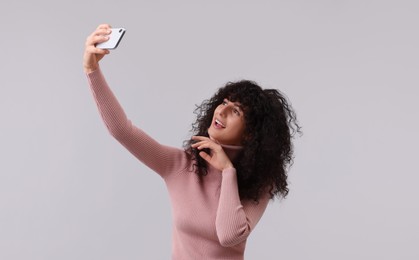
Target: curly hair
[270,124]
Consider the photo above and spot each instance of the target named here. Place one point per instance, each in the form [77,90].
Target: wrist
[90,69]
[228,166]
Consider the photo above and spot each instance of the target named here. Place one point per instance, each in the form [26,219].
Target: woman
[223,179]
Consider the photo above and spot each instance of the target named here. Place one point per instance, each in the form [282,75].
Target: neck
[232,151]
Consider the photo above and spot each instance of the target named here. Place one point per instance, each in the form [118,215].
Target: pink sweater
[209,219]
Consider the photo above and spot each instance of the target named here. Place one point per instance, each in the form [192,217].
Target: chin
[210,134]
[215,139]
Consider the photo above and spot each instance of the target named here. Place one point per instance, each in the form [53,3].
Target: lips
[219,124]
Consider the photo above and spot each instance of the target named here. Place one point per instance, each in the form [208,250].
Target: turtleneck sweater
[209,219]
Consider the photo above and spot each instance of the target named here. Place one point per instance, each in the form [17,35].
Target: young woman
[223,179]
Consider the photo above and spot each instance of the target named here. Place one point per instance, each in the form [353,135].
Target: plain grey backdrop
[350,69]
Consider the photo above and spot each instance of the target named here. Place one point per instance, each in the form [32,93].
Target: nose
[223,110]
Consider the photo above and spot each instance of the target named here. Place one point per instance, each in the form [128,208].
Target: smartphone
[114,38]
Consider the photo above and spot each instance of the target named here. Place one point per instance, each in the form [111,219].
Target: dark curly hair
[270,124]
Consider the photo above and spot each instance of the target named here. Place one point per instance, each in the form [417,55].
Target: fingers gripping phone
[114,38]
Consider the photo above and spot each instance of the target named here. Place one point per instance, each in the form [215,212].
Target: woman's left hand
[217,158]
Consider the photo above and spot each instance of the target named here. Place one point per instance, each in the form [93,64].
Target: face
[228,124]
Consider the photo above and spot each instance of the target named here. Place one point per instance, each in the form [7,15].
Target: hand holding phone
[114,38]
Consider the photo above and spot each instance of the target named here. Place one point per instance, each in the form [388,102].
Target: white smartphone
[114,38]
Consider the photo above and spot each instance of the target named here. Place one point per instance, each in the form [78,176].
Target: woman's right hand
[93,55]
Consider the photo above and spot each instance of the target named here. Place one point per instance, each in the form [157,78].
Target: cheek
[215,111]
[239,125]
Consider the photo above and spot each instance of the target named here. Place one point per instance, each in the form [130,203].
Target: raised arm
[160,158]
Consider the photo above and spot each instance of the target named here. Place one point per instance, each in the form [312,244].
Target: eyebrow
[236,104]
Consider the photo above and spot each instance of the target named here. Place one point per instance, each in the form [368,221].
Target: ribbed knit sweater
[209,219]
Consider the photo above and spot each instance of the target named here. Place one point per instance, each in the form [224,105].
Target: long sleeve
[236,219]
[160,158]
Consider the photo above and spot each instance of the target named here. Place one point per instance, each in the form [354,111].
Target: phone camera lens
[120,30]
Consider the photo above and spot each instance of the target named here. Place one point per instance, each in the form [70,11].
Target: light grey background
[350,68]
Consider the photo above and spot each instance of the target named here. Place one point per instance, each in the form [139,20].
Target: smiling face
[228,123]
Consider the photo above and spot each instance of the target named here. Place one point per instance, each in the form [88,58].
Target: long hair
[270,124]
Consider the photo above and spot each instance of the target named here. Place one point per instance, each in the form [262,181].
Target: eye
[237,112]
[225,102]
